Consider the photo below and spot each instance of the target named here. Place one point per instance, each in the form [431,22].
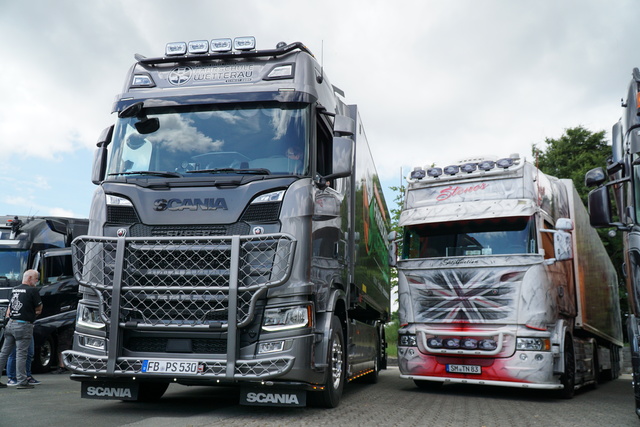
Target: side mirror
[393,248]
[562,246]
[342,158]
[344,126]
[600,207]
[100,156]
[564,224]
[595,177]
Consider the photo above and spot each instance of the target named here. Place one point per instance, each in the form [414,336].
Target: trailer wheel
[150,391]
[568,379]
[330,396]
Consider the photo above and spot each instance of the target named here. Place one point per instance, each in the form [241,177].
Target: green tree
[573,154]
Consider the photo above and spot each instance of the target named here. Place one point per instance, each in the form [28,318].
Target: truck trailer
[502,281]
[42,244]
[624,182]
[238,233]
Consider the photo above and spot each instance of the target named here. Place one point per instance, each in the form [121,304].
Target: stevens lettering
[451,191]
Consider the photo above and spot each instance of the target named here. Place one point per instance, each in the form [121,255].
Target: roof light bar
[176,48]
[244,43]
[505,163]
[198,46]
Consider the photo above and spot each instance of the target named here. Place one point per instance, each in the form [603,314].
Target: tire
[44,356]
[335,379]
[151,392]
[568,378]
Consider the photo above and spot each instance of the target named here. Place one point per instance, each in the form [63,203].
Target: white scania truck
[502,281]
[238,233]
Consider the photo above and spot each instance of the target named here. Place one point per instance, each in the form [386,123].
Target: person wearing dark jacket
[24,307]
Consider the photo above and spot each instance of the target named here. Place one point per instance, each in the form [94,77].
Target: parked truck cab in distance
[42,244]
[238,233]
[622,178]
[502,281]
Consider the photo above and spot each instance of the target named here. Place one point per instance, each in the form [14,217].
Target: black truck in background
[43,244]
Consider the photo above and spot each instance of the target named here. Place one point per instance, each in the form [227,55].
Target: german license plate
[464,369]
[170,366]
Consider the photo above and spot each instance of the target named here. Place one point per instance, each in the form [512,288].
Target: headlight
[285,318]
[408,340]
[533,344]
[89,317]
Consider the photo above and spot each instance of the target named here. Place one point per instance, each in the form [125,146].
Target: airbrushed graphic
[464,296]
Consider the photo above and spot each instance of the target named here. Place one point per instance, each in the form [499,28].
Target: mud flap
[272,397]
[109,390]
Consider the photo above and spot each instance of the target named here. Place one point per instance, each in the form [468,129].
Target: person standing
[24,307]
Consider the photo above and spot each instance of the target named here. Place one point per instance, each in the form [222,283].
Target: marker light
[434,172]
[198,46]
[220,45]
[407,340]
[417,173]
[505,163]
[486,165]
[281,72]
[244,43]
[452,170]
[468,167]
[177,48]
[142,80]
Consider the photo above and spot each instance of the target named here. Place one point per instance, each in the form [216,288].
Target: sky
[435,81]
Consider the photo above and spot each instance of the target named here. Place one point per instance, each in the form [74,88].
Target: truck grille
[165,282]
[159,345]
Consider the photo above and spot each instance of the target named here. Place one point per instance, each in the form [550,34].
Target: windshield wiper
[154,173]
[257,171]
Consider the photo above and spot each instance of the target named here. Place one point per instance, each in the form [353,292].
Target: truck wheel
[568,379]
[330,396]
[44,356]
[150,392]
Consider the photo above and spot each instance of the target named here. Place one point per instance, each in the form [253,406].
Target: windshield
[12,265]
[262,139]
[495,236]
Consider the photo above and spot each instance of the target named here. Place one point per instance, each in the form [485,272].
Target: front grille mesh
[164,282]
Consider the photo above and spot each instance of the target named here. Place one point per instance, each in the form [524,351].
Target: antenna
[320,78]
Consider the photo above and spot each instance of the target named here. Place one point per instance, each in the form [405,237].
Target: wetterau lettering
[208,204]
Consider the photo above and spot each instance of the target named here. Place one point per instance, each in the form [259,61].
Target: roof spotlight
[434,172]
[486,165]
[452,169]
[417,173]
[505,163]
[469,167]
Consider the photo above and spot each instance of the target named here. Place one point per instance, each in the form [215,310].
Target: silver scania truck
[238,233]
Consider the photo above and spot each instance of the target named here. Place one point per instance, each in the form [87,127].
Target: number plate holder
[180,367]
[464,369]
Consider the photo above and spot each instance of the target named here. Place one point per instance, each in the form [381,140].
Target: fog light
[452,343]
[539,357]
[408,340]
[434,342]
[270,347]
[469,343]
[523,356]
[487,344]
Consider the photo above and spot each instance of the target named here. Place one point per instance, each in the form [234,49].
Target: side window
[324,141]
[56,268]
[547,241]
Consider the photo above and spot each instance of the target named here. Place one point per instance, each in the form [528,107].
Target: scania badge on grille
[257,230]
[122,232]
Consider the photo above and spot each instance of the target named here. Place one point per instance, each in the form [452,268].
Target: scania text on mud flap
[502,281]
[238,232]
[623,170]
